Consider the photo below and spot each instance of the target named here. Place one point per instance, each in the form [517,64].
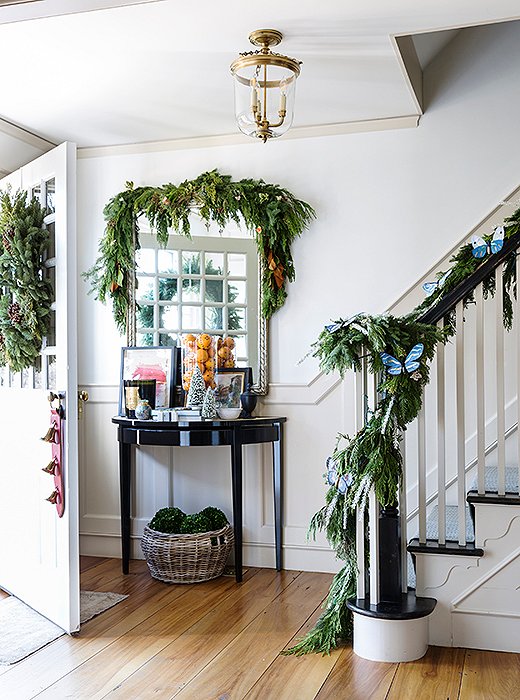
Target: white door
[39,551]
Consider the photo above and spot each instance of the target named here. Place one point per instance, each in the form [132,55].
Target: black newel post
[389,554]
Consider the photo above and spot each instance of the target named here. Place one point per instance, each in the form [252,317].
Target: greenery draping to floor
[270,213]
[372,458]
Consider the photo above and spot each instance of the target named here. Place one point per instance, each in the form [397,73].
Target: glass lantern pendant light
[265,84]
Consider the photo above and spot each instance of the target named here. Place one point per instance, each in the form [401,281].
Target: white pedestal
[390,640]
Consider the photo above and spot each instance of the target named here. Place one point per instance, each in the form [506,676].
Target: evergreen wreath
[270,213]
[372,458]
[25,292]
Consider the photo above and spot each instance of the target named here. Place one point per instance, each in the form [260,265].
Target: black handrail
[464,289]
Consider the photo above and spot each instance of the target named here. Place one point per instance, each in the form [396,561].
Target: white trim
[298,132]
[21,134]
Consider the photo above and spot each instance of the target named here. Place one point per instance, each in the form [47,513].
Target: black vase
[248,400]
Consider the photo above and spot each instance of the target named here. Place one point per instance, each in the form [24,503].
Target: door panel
[39,560]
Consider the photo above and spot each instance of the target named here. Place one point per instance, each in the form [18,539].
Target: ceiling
[159,69]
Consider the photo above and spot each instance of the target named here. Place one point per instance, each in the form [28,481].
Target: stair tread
[491,480]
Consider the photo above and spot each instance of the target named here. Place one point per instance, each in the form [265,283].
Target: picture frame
[159,363]
[230,383]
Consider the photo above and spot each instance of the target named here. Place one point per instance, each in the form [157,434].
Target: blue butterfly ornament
[334,478]
[410,364]
[431,287]
[481,248]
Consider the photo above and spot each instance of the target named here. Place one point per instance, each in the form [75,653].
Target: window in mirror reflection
[191,287]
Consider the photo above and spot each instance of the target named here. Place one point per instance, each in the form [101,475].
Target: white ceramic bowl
[229,413]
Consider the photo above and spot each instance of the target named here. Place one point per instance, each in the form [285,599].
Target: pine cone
[15,313]
[7,237]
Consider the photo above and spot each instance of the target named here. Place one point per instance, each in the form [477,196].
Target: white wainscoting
[196,477]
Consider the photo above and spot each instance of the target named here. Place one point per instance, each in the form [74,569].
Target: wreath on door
[25,292]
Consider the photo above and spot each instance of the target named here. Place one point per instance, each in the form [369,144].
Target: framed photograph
[231,382]
[148,369]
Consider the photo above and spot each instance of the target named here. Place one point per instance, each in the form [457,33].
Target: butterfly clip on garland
[410,364]
[481,248]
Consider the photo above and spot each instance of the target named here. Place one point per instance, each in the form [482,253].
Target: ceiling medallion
[265,84]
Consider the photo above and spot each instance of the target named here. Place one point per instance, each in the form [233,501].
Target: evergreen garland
[25,293]
[270,213]
[372,458]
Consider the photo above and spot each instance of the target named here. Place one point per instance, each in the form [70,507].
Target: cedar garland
[372,458]
[270,213]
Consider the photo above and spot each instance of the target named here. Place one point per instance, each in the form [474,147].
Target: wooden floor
[221,640]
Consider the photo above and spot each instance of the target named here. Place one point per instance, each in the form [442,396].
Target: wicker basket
[187,558]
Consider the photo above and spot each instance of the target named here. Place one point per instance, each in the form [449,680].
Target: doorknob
[82,398]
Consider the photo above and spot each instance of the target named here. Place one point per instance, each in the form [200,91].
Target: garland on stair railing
[25,291]
[270,213]
[372,458]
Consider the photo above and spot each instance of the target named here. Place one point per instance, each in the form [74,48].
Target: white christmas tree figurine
[197,389]
[209,406]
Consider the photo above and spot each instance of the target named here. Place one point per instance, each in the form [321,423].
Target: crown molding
[237,139]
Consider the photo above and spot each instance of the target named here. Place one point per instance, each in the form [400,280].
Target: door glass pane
[191,290]
[145,316]
[168,289]
[38,374]
[237,319]
[51,335]
[237,264]
[236,292]
[168,316]
[191,317]
[146,288]
[190,263]
[15,379]
[4,376]
[26,379]
[168,339]
[36,193]
[51,190]
[168,261]
[213,318]
[145,259]
[51,372]
[145,339]
[214,264]
[51,248]
[214,290]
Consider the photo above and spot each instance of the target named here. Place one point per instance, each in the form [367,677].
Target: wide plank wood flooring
[221,641]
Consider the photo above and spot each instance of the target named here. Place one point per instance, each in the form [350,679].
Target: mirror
[209,283]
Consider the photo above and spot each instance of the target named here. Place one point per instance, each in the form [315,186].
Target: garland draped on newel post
[270,213]
[399,350]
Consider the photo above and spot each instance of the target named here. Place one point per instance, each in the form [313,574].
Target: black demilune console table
[209,433]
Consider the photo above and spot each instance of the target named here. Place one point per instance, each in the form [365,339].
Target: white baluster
[421,465]
[481,406]
[373,527]
[441,439]
[517,321]
[402,517]
[501,401]
[360,390]
[461,428]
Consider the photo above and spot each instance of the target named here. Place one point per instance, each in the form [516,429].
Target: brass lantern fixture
[265,85]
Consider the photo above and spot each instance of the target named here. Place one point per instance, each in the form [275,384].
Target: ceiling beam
[17,132]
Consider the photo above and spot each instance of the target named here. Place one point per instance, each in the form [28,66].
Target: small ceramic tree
[197,389]
[209,406]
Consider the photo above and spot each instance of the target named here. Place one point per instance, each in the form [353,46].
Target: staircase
[459,499]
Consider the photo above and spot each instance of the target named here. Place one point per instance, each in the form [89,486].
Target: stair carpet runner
[452,513]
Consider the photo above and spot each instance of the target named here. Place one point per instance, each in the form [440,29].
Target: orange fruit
[224,352]
[202,355]
[229,363]
[230,343]
[204,340]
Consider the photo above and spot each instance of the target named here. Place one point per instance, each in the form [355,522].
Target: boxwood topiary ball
[168,520]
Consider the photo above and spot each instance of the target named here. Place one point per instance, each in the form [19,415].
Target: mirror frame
[261,385]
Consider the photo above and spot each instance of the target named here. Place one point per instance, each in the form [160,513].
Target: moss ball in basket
[182,548]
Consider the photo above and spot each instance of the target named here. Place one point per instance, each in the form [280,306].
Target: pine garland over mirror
[25,292]
[398,350]
[269,212]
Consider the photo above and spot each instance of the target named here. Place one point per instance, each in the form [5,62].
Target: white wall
[388,205]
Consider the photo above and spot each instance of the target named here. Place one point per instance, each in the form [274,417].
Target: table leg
[124,486]
[236,485]
[277,489]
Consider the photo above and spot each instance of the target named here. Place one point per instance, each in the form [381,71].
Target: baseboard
[295,557]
